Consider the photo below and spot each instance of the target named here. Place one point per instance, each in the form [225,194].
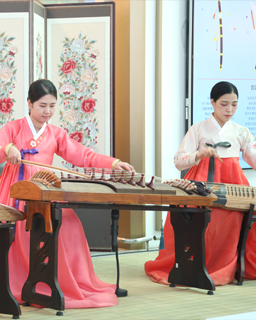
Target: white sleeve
[248,147]
[185,156]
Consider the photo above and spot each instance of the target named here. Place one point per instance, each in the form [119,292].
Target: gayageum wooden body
[232,196]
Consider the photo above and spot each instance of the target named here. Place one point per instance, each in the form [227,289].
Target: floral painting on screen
[39,57]
[8,72]
[78,74]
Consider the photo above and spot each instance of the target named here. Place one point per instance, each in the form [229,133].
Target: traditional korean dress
[78,282]
[222,233]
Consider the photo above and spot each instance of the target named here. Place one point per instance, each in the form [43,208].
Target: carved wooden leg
[246,224]
[8,303]
[114,229]
[44,262]
[39,207]
[189,226]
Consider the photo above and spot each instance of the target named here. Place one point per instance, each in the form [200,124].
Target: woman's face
[224,108]
[42,110]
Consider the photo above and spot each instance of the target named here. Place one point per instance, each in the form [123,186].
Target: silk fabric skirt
[80,285]
[221,236]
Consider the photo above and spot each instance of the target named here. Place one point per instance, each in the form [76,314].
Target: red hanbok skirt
[221,236]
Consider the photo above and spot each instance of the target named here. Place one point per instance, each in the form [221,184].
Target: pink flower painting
[78,136]
[39,57]
[8,72]
[6,105]
[68,66]
[78,85]
[88,105]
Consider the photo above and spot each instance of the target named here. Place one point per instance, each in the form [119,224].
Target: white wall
[143,142]
[150,96]
[173,85]
[251,176]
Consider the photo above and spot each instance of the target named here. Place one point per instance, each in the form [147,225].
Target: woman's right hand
[14,156]
[207,152]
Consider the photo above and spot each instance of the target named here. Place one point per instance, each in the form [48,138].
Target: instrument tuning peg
[131,181]
[93,174]
[150,184]
[141,182]
[122,178]
[112,176]
[77,177]
[103,175]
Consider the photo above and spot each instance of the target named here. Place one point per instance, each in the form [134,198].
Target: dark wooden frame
[189,226]
[47,273]
[9,304]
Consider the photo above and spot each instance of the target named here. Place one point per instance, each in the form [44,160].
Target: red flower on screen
[78,136]
[68,66]
[41,63]
[6,105]
[88,105]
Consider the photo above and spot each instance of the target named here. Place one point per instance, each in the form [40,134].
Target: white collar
[220,129]
[36,135]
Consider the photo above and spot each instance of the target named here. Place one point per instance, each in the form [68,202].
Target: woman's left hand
[124,166]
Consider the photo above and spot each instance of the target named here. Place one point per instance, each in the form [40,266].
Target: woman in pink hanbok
[33,138]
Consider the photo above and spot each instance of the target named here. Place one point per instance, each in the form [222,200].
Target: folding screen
[80,63]
[15,55]
[39,66]
[72,45]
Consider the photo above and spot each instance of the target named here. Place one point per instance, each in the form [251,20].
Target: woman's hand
[124,166]
[207,152]
[14,156]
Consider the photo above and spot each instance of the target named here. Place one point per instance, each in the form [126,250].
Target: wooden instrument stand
[8,303]
[44,261]
[193,223]
[189,224]
[246,225]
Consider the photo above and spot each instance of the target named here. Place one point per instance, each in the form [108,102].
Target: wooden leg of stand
[8,303]
[44,263]
[39,207]
[115,216]
[189,225]
[246,224]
